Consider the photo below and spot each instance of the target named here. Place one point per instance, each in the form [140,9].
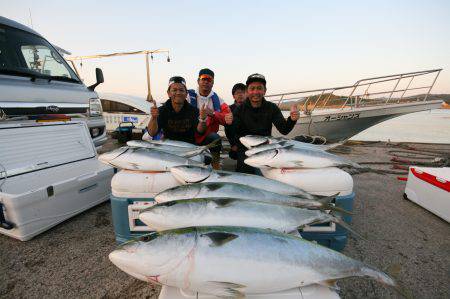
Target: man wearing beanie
[239,94]
[256,116]
[218,113]
[176,118]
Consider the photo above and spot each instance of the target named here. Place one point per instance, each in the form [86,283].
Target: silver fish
[255,141]
[291,157]
[230,262]
[144,159]
[233,190]
[232,212]
[193,174]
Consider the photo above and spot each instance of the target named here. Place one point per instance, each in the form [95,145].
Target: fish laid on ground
[177,150]
[230,262]
[144,159]
[232,212]
[170,142]
[251,141]
[193,174]
[283,144]
[291,157]
[234,190]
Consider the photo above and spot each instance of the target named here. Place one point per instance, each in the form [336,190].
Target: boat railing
[375,91]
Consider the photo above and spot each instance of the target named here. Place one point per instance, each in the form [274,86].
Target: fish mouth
[120,258]
[248,144]
[254,160]
[109,156]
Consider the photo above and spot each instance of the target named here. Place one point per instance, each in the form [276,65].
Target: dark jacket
[258,121]
[180,125]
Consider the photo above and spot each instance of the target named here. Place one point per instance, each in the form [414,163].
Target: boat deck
[71,260]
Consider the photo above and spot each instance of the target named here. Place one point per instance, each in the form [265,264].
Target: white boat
[120,108]
[339,113]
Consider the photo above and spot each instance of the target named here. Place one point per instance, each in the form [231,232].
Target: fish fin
[225,290]
[219,238]
[135,166]
[223,202]
[192,153]
[331,284]
[213,186]
[345,225]
[299,163]
[336,209]
[327,199]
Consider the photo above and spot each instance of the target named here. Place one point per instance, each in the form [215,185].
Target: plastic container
[133,184]
[319,181]
[430,188]
[125,214]
[308,292]
[49,173]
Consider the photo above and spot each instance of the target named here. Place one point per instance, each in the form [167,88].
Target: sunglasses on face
[206,78]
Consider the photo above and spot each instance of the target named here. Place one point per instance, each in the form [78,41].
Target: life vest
[215,99]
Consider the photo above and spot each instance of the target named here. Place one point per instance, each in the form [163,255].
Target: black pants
[241,166]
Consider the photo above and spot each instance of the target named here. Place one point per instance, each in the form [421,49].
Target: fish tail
[378,276]
[385,279]
[336,209]
[345,225]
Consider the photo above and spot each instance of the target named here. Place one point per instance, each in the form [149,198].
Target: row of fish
[269,152]
[224,233]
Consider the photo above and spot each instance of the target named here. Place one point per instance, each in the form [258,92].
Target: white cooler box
[135,184]
[308,292]
[319,181]
[430,188]
[49,172]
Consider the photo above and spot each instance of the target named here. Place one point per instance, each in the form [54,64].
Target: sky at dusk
[297,45]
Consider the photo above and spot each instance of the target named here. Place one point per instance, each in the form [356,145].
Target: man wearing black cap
[256,116]
[239,94]
[176,118]
[218,113]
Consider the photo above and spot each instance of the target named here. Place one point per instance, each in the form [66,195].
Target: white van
[36,80]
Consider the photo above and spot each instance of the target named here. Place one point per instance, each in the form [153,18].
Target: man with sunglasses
[256,116]
[217,111]
[176,118]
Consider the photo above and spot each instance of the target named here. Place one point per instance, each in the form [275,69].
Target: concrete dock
[403,239]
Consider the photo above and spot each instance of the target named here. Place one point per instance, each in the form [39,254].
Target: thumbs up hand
[229,118]
[203,112]
[154,112]
[294,113]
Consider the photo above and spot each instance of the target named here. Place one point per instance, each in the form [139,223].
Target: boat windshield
[29,55]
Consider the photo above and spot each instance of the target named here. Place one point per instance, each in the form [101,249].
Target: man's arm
[201,120]
[283,125]
[152,126]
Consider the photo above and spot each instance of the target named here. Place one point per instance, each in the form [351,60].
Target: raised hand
[229,118]
[203,112]
[294,113]
[154,112]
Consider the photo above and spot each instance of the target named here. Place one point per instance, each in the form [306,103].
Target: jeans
[210,138]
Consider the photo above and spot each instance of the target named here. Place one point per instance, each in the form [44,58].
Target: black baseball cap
[238,86]
[256,78]
[206,72]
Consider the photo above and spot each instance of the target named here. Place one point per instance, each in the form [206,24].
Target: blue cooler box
[332,235]
[125,213]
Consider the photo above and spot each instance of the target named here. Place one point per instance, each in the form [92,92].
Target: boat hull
[340,124]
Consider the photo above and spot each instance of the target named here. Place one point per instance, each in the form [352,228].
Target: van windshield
[28,55]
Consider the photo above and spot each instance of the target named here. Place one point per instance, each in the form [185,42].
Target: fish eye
[148,237]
